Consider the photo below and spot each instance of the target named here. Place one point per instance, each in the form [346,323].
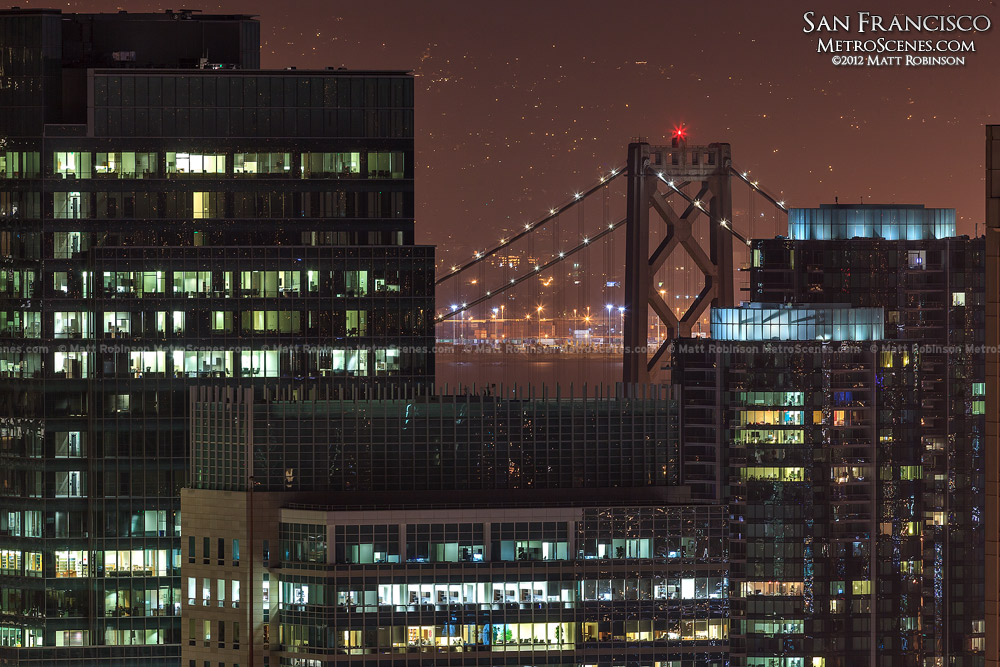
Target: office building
[173,215]
[992,467]
[455,529]
[850,392]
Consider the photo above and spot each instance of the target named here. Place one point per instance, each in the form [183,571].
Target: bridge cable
[530,227]
[537,270]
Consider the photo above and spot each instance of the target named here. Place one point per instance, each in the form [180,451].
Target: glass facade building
[509,530]
[437,443]
[992,514]
[170,219]
[852,464]
[892,222]
[758,321]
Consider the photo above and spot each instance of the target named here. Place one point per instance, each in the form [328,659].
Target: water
[523,369]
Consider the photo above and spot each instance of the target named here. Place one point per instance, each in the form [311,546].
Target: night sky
[521,103]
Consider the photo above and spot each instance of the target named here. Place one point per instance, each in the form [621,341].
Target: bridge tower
[710,166]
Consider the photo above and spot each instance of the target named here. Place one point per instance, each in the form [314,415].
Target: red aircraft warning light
[679,135]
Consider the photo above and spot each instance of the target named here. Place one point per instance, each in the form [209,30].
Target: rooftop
[893,222]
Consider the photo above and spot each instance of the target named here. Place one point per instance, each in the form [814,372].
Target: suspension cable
[530,227]
[755,185]
[457,310]
[725,224]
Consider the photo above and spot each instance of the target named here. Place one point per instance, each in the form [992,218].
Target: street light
[609,307]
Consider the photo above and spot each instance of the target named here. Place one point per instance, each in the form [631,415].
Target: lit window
[331,165]
[192,163]
[769,474]
[72,165]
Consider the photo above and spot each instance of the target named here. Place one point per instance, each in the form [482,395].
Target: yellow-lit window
[222,320]
[844,474]
[911,528]
[958,298]
[817,416]
[771,588]
[206,204]
[819,661]
[768,474]
[33,563]
[979,407]
[861,587]
[911,473]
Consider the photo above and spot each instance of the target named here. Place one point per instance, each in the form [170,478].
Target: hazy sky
[520,103]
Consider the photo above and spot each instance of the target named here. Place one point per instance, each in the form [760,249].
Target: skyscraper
[850,396]
[992,578]
[172,215]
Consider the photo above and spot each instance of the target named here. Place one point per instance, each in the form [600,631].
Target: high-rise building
[850,399]
[172,215]
[461,529]
[992,445]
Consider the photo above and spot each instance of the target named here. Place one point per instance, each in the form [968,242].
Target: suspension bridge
[630,291]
